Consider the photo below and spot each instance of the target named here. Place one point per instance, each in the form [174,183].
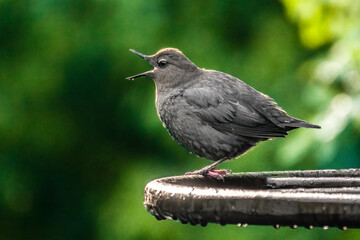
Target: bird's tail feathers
[297,123]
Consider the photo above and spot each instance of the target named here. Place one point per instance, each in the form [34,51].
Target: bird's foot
[210,173]
[218,174]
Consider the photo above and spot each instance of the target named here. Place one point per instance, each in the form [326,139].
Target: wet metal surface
[323,198]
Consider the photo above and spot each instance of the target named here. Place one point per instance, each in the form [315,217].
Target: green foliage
[79,142]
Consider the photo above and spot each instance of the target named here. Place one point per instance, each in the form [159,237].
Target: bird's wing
[225,112]
[258,101]
[268,107]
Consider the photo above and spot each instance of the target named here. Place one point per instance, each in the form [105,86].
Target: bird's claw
[217,174]
[211,173]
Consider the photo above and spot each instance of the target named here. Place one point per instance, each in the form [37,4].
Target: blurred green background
[79,142]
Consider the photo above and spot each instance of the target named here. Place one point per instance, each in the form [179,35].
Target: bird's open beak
[148,73]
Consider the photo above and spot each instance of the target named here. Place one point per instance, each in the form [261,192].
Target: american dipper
[211,113]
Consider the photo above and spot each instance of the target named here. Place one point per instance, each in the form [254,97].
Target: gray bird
[213,114]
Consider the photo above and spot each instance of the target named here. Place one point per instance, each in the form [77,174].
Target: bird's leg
[210,171]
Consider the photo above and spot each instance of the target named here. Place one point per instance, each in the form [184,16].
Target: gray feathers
[211,113]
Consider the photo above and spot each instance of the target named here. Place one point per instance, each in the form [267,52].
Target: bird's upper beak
[148,73]
[140,54]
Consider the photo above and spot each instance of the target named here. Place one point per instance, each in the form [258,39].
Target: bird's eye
[162,62]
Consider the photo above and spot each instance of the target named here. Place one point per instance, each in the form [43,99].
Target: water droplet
[294,226]
[344,228]
[277,226]
[203,224]
[245,225]
[239,224]
[325,227]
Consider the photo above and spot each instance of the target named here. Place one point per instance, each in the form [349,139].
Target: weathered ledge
[312,198]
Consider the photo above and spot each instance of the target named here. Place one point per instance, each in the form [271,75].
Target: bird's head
[171,67]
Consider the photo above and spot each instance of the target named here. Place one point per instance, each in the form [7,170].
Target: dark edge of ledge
[324,198]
